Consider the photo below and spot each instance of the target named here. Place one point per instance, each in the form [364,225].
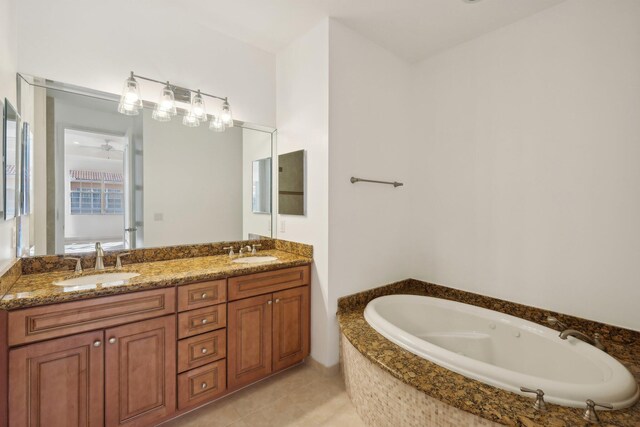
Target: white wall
[183,180]
[96,44]
[8,68]
[256,145]
[303,123]
[331,84]
[526,168]
[369,100]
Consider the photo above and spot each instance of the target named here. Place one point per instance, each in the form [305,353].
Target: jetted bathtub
[503,351]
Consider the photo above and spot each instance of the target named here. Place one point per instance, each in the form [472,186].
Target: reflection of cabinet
[267,333]
[140,372]
[58,383]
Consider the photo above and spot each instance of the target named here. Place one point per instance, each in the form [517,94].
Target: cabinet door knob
[269,302]
[97,343]
[112,340]
[203,351]
[277,300]
[204,321]
[203,386]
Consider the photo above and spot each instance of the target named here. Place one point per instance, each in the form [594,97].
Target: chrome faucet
[99,257]
[244,249]
[595,341]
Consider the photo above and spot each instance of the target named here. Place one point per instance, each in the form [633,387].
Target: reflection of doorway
[94,190]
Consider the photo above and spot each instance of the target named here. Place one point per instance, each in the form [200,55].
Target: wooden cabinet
[249,340]
[291,311]
[140,372]
[135,360]
[58,383]
[267,333]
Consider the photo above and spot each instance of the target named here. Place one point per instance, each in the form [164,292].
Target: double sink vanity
[156,338]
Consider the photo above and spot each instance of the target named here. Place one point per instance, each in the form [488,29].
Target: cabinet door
[140,372]
[249,340]
[290,327]
[58,382]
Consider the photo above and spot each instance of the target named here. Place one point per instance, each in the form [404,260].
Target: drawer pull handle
[203,386]
[97,343]
[204,350]
[112,340]
[204,321]
[203,296]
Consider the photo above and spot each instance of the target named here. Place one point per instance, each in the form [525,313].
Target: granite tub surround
[469,395]
[38,289]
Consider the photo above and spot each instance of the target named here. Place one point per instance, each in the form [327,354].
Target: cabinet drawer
[201,349]
[202,320]
[202,294]
[201,384]
[40,323]
[270,281]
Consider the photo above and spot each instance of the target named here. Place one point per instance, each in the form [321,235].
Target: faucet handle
[119,260]
[78,261]
[590,413]
[539,404]
[253,250]
[230,249]
[554,321]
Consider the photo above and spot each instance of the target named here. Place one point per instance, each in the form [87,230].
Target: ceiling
[413,29]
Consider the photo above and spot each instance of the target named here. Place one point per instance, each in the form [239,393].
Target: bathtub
[503,351]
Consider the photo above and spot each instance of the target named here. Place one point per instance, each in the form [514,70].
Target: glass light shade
[197,107]
[160,115]
[130,101]
[225,114]
[190,120]
[216,124]
[166,106]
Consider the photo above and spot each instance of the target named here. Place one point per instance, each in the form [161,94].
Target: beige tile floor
[299,397]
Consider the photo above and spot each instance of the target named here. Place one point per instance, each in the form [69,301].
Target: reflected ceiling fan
[106,147]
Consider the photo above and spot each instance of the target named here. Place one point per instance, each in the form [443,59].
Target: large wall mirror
[132,181]
[9,180]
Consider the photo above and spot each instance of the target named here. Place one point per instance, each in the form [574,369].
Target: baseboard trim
[326,371]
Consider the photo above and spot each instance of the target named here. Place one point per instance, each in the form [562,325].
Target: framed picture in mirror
[9,159]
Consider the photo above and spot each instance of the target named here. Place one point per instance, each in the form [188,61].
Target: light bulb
[166,106]
[130,101]
[225,114]
[197,107]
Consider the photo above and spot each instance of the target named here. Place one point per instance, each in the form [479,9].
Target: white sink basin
[254,259]
[104,279]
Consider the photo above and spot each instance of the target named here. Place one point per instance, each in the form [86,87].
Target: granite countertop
[472,396]
[31,290]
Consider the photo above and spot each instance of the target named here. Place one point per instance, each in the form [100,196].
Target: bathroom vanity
[181,334]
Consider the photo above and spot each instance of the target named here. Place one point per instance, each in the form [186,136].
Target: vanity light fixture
[225,114]
[130,101]
[197,107]
[165,109]
[216,124]
[190,120]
